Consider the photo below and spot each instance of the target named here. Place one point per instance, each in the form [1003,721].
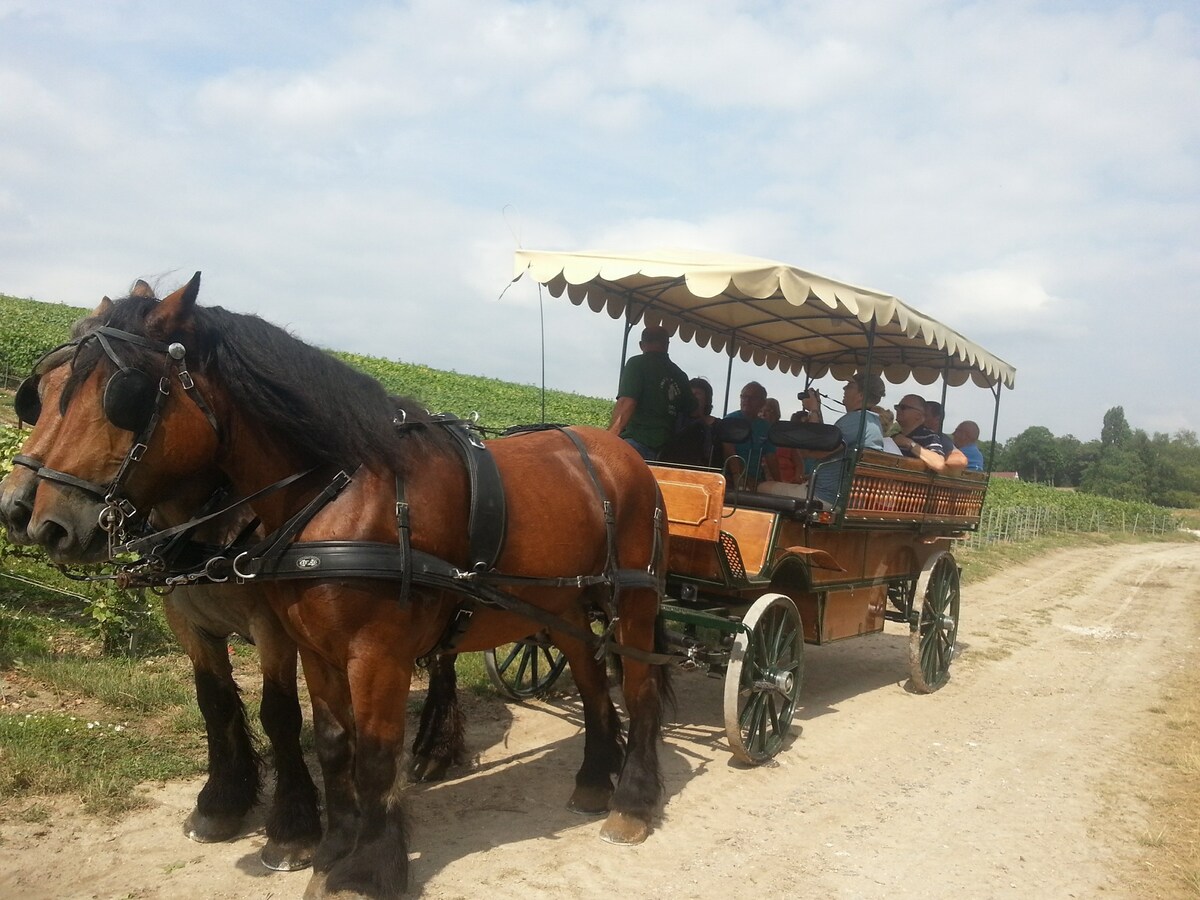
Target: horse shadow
[513,791]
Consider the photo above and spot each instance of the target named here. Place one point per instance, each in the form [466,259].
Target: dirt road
[1018,779]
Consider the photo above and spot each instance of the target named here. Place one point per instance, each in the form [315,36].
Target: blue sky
[1027,172]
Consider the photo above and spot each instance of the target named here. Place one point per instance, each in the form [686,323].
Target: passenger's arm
[621,414]
[932,459]
[956,461]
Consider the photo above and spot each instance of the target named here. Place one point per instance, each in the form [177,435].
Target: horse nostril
[52,536]
[17,516]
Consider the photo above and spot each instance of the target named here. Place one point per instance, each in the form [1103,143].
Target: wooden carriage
[753,576]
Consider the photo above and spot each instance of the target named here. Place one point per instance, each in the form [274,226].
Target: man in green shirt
[653,396]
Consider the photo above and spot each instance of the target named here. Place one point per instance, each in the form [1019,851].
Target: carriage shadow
[516,787]
[834,673]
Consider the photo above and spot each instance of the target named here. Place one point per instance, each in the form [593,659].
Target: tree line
[1125,463]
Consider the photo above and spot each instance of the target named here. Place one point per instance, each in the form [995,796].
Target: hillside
[28,328]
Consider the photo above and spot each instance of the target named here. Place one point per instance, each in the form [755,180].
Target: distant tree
[1035,455]
[1116,431]
[1074,460]
[1119,473]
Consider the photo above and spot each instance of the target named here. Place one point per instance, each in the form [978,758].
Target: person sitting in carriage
[753,460]
[915,439]
[860,392]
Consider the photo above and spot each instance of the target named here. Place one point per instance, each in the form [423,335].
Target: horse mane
[326,412]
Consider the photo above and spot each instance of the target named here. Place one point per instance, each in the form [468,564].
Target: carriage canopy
[768,313]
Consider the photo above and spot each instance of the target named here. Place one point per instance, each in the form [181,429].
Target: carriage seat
[791,499]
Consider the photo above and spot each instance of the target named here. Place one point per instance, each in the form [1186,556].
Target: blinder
[129,399]
[27,404]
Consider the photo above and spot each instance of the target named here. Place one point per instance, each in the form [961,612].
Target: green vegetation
[28,329]
[87,646]
[1125,464]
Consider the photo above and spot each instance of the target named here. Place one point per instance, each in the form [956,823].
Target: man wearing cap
[653,396]
[858,423]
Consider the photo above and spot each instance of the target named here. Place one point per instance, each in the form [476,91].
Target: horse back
[555,501]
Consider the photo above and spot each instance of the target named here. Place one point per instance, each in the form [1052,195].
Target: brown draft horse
[202,617]
[280,408]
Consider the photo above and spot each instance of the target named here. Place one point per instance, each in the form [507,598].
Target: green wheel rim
[763,679]
[935,631]
[526,669]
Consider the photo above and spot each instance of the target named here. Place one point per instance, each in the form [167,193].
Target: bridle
[133,401]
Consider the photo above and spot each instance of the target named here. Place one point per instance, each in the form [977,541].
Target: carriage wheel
[526,669]
[762,681]
[935,631]
[900,594]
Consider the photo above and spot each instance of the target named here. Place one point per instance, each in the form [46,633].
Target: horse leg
[646,688]
[378,864]
[603,748]
[439,743]
[233,775]
[294,819]
[335,750]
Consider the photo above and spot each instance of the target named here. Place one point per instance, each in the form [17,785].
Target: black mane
[319,407]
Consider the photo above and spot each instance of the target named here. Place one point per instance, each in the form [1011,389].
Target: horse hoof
[620,828]
[280,857]
[589,801]
[427,769]
[210,829]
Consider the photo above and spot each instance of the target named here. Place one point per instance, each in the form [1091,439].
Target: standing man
[915,439]
[653,396]
[756,456]
[935,416]
[966,438]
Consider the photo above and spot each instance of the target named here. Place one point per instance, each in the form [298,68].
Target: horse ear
[141,289]
[102,309]
[173,314]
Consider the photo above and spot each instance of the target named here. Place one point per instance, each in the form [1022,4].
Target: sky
[361,173]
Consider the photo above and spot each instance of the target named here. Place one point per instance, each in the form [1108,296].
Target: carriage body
[751,576]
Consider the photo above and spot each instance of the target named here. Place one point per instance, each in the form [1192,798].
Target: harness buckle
[136,452]
[242,576]
[185,378]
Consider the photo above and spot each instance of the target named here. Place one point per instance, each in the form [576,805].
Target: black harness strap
[27,461]
[361,559]
[264,556]
[488,515]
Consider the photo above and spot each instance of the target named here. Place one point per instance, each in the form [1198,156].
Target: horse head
[116,435]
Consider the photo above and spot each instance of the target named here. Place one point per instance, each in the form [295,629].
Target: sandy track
[1018,779]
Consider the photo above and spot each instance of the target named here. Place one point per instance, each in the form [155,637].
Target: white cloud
[1027,173]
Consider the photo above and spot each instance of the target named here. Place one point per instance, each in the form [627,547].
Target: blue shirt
[829,470]
[974,457]
[753,450]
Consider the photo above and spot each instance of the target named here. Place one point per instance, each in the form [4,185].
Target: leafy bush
[29,328]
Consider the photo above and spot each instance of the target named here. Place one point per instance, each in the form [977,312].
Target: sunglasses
[920,409]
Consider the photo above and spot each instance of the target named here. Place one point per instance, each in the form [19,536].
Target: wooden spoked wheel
[762,681]
[935,631]
[526,669]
